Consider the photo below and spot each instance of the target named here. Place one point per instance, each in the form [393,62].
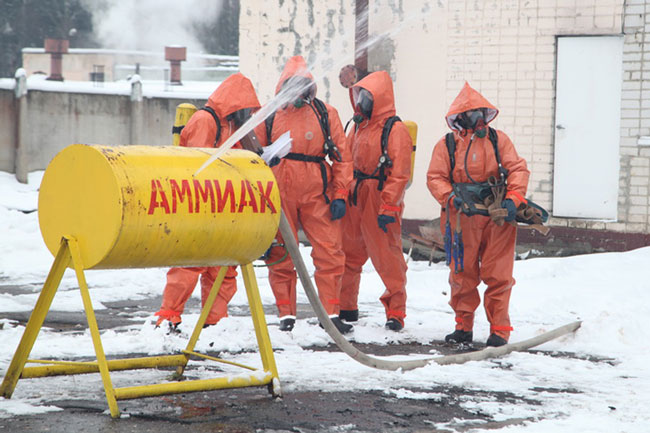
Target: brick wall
[633,210]
[507,50]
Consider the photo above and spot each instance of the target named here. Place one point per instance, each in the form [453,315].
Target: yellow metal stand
[67,254]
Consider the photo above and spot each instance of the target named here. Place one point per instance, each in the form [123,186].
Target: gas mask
[363,103]
[474,120]
[239,117]
[304,83]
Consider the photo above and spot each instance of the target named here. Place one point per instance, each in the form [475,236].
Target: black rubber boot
[349,315]
[394,325]
[172,328]
[459,336]
[495,341]
[287,324]
[343,328]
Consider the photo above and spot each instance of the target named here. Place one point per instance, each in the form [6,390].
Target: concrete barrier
[36,125]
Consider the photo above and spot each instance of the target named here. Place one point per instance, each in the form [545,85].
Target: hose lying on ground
[250,142]
[292,246]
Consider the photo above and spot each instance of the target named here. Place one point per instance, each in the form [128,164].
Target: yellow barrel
[183,113]
[140,206]
[413,132]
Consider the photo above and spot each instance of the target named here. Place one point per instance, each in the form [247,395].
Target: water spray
[294,90]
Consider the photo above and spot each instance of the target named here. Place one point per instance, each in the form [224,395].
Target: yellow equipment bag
[183,113]
[413,132]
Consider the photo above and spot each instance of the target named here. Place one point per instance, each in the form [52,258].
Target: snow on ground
[609,292]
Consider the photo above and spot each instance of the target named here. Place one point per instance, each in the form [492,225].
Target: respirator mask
[239,117]
[303,83]
[363,103]
[473,120]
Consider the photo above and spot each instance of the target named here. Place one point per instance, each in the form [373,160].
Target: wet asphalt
[253,409]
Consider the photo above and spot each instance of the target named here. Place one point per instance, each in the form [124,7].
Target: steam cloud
[150,25]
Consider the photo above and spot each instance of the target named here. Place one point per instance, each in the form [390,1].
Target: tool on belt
[454,247]
[383,163]
[485,198]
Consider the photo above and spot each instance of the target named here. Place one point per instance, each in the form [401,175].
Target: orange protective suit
[303,202]
[361,233]
[235,93]
[489,249]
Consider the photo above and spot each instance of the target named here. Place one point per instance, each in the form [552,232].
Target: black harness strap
[494,139]
[268,122]
[361,176]
[329,148]
[451,149]
[313,158]
[472,193]
[345,130]
[216,120]
[384,161]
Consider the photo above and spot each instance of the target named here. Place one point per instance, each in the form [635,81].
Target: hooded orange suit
[362,236]
[489,249]
[235,93]
[301,190]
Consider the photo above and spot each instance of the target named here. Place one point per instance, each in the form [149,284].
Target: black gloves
[274,161]
[383,221]
[509,205]
[337,209]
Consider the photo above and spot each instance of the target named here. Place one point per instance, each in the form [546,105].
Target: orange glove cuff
[390,208]
[516,198]
[341,193]
[396,314]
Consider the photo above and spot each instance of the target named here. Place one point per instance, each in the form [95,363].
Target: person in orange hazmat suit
[228,107]
[471,164]
[313,192]
[372,227]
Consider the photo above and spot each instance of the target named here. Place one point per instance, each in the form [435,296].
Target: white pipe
[292,247]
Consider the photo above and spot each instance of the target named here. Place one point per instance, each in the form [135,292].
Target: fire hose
[250,142]
[382,364]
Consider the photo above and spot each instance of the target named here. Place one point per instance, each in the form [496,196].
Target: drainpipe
[361,37]
[136,119]
[21,161]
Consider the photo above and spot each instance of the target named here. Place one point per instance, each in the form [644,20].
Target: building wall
[55,120]
[79,63]
[58,119]
[7,131]
[323,33]
[272,32]
[634,212]
[506,49]
[76,67]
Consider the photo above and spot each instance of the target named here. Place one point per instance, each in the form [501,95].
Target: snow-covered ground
[609,292]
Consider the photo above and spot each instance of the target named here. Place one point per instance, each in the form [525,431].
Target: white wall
[506,49]
[323,33]
[418,48]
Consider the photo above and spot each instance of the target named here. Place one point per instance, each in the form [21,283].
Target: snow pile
[603,387]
